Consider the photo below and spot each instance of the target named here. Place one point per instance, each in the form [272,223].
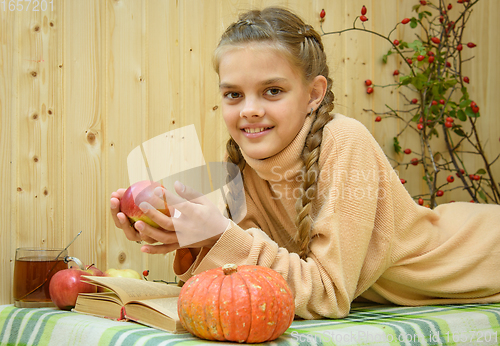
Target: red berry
[436,40]
[471,45]
[420,57]
[450,6]
[448,124]
[403,181]
[363,10]
[378,119]
[421,120]
[368,82]
[460,1]
[434,102]
[471,176]
[395,73]
[414,161]
[441,19]
[414,101]
[439,193]
[420,126]
[322,14]
[145,273]
[423,2]
[430,53]
[475,109]
[441,101]
[461,173]
[450,119]
[473,104]
[421,201]
[363,18]
[431,59]
[369,90]
[460,47]
[396,42]
[448,64]
[466,79]
[409,61]
[477,177]
[407,151]
[405,21]
[450,179]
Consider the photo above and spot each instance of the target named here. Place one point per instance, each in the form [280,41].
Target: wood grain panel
[8,140]
[32,132]
[86,82]
[126,122]
[483,28]
[84,129]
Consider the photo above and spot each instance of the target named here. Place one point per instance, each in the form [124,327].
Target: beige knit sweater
[370,239]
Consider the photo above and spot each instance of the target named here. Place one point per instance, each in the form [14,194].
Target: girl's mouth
[256,130]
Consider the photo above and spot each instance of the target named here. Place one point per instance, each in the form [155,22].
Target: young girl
[324,206]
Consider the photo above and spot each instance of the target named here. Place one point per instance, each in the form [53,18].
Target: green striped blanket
[366,325]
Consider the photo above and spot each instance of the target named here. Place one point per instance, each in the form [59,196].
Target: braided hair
[303,47]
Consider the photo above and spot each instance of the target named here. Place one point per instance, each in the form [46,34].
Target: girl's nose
[252,109]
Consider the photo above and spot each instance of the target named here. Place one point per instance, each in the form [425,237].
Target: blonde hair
[303,47]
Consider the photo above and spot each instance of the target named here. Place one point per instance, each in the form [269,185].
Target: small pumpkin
[246,303]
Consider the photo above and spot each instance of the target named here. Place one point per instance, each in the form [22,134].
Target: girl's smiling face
[265,99]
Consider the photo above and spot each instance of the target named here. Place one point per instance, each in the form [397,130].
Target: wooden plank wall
[82,83]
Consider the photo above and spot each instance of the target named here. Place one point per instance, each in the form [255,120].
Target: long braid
[310,156]
[236,164]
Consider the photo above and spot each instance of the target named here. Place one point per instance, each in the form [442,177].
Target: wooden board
[83,83]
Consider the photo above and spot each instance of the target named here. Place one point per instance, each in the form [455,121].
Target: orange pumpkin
[247,303]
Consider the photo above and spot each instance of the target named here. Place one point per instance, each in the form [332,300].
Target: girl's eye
[232,95]
[273,91]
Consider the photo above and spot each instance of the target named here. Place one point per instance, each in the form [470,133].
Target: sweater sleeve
[346,254]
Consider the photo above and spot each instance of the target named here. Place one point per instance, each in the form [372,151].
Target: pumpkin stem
[230,268]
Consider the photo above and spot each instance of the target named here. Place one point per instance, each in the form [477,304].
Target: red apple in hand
[65,286]
[142,191]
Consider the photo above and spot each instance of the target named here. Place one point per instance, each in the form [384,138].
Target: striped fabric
[368,325]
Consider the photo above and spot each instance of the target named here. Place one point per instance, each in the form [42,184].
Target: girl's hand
[121,220]
[196,221]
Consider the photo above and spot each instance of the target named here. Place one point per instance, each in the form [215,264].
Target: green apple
[124,273]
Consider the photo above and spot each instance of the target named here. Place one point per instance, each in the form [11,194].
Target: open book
[150,303]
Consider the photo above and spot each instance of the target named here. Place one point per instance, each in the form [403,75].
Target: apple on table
[66,284]
[123,273]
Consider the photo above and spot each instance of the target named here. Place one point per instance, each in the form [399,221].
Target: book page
[129,289]
[158,313]
[105,305]
[107,296]
[167,306]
